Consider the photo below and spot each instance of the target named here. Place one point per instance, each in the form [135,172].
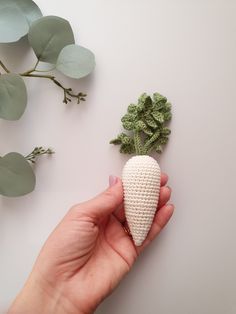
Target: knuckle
[76,210]
[110,198]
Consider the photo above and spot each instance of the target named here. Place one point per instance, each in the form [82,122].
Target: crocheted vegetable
[141,174]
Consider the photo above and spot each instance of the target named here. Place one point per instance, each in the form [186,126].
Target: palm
[90,251]
[111,256]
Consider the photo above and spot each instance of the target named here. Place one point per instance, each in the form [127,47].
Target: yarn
[141,181]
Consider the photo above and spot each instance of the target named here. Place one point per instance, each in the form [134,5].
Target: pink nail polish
[112,180]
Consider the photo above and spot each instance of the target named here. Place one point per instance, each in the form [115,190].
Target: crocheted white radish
[141,174]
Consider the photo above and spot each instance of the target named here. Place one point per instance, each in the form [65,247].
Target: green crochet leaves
[145,122]
[126,142]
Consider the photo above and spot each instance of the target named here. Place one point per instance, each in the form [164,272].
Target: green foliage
[16,175]
[146,120]
[75,61]
[13,25]
[15,18]
[48,36]
[28,8]
[52,40]
[13,96]
[126,142]
[38,151]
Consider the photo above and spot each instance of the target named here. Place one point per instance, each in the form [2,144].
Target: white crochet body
[141,181]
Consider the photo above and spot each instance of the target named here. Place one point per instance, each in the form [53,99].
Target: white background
[186,50]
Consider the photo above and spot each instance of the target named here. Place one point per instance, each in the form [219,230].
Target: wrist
[38,298]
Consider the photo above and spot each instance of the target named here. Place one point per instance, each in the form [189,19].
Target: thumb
[106,202]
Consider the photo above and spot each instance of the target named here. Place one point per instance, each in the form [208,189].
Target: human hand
[87,255]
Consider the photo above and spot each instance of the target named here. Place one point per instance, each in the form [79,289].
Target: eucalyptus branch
[38,151]
[4,67]
[33,69]
[68,93]
[53,42]
[45,71]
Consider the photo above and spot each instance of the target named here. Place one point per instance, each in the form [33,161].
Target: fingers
[105,203]
[164,179]
[162,217]
[119,213]
[164,197]
[111,200]
[165,192]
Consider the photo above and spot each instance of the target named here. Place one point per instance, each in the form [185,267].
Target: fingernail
[112,180]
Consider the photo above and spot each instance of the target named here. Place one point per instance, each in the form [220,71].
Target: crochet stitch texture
[141,180]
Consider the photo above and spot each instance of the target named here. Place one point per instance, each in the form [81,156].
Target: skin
[87,255]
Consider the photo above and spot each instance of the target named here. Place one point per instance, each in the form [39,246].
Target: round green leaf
[75,61]
[16,175]
[13,25]
[48,36]
[13,96]
[27,7]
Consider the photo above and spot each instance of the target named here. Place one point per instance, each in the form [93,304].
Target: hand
[87,255]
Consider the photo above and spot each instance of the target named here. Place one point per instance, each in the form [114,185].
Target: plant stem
[31,70]
[67,91]
[38,151]
[139,149]
[151,142]
[4,67]
[44,71]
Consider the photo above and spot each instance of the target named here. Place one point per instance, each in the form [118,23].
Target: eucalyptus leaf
[13,96]
[75,61]
[27,7]
[16,175]
[48,36]
[13,25]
